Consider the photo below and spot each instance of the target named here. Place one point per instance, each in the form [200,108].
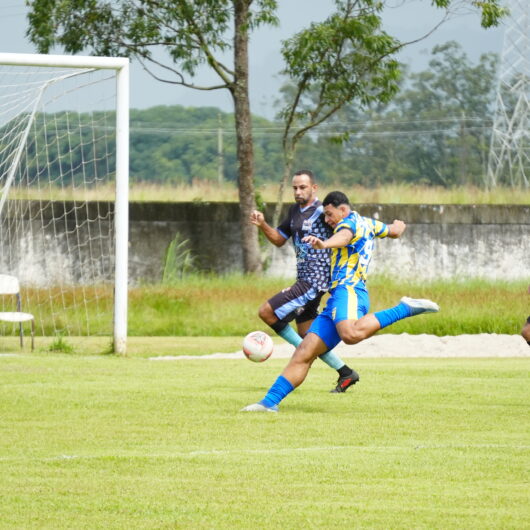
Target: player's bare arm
[257,218]
[396,229]
[338,240]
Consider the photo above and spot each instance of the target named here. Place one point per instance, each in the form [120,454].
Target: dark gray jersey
[312,265]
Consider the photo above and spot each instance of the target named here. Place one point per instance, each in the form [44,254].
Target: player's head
[304,187]
[336,207]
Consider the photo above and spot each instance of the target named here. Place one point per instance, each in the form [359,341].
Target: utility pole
[509,155]
[220,156]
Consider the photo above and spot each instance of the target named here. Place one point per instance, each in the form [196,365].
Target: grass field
[227,306]
[108,442]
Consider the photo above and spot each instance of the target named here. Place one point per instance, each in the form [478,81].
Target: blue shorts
[345,303]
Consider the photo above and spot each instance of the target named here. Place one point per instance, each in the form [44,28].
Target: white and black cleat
[259,407]
[420,305]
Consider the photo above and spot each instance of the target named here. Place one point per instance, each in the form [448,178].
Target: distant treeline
[435,132]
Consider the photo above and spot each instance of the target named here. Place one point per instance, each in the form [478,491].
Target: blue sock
[393,314]
[290,335]
[332,360]
[277,392]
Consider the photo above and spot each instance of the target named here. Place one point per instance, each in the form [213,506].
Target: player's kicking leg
[354,331]
[346,375]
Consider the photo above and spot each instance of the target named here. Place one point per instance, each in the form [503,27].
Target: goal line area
[64,132]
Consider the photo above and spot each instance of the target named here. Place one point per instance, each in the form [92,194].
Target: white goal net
[63,210]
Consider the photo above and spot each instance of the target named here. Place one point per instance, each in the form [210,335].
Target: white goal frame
[121,219]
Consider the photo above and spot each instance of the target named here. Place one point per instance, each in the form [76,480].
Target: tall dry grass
[211,191]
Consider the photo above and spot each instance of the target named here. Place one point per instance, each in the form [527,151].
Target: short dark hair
[308,173]
[335,198]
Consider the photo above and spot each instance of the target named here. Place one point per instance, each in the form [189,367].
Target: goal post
[34,145]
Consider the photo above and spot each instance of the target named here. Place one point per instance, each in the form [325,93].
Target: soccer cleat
[345,382]
[420,305]
[259,407]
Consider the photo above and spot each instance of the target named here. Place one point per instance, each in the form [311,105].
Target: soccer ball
[257,346]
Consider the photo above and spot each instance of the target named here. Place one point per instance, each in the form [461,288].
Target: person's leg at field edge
[525,332]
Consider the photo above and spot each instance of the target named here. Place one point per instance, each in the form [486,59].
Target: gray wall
[441,241]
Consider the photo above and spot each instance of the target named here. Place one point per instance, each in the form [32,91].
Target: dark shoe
[345,382]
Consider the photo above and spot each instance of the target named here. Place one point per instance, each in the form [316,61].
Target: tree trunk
[287,172]
[245,153]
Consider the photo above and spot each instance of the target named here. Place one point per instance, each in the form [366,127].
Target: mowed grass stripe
[239,452]
[101,441]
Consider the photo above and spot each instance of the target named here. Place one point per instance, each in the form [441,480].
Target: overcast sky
[407,21]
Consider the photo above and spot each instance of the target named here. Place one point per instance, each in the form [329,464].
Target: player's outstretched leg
[407,307]
[355,331]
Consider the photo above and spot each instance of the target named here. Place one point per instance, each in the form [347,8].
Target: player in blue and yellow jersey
[345,316]
[300,301]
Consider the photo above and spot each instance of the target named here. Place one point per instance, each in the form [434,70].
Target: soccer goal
[64,150]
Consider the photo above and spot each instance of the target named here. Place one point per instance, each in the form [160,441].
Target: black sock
[345,371]
[279,326]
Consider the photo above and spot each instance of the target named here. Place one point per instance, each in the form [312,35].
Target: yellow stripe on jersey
[349,264]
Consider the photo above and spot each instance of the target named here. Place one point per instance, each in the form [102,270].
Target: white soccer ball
[257,346]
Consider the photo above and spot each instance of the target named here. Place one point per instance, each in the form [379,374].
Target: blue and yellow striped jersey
[349,264]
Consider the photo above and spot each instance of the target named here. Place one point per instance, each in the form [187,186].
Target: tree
[192,33]
[435,131]
[347,58]
[457,96]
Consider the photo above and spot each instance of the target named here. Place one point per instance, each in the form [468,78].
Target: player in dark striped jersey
[300,301]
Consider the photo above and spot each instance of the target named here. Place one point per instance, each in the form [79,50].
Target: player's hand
[396,229]
[313,241]
[257,218]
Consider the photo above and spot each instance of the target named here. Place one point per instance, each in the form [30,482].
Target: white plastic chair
[9,285]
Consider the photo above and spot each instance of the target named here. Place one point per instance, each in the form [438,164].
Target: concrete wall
[441,241]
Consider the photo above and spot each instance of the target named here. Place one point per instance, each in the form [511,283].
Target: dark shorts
[299,302]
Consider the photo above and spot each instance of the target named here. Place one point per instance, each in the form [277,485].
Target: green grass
[200,305]
[228,306]
[107,442]
[136,346]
